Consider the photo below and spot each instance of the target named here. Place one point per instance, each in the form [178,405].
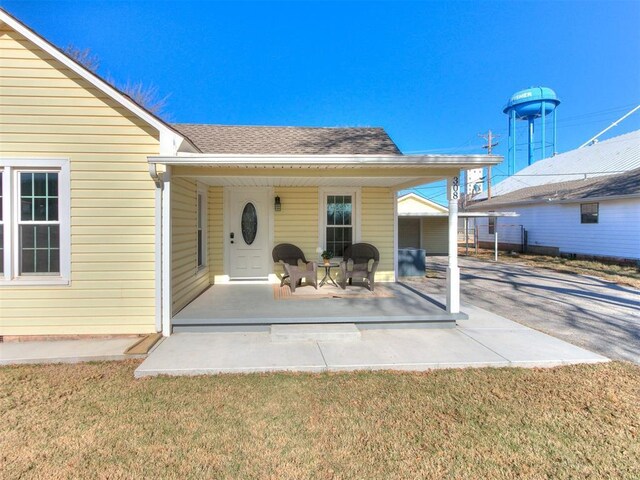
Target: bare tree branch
[83,56]
[146,96]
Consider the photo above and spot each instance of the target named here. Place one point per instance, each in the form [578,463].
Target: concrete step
[327,332]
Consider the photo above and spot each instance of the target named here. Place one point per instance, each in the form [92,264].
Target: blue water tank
[527,103]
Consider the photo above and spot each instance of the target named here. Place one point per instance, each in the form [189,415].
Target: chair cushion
[370,264]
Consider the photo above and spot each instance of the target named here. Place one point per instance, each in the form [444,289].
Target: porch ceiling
[398,178]
[257,181]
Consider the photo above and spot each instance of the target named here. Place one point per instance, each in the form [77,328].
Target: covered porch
[226,307]
[215,277]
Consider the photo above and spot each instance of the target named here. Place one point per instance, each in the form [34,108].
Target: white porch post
[166,253]
[453,272]
[395,235]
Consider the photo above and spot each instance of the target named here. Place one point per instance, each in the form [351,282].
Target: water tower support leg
[512,168]
[544,131]
[530,141]
[554,131]
[513,156]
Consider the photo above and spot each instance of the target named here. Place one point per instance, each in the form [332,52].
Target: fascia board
[453,161]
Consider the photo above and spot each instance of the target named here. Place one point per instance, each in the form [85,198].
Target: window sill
[35,281]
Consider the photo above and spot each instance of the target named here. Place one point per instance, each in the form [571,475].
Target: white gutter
[300,161]
[551,200]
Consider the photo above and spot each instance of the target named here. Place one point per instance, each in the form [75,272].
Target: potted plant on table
[326,255]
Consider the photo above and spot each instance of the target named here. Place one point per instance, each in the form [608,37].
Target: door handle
[232,235]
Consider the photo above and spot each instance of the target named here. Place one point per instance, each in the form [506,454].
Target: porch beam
[423,174]
[302,161]
[453,271]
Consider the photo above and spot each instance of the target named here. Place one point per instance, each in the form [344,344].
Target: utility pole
[489,137]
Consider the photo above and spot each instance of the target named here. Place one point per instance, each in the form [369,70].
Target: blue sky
[433,74]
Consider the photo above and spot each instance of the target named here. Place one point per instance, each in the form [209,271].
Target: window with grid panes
[339,226]
[38,224]
[1,226]
[201,253]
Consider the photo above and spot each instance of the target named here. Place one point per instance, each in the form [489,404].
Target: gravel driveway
[589,312]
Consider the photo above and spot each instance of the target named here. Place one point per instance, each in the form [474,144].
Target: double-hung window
[38,223]
[1,225]
[492,225]
[589,213]
[34,221]
[339,223]
[201,229]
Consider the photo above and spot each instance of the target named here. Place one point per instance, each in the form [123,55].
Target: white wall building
[596,217]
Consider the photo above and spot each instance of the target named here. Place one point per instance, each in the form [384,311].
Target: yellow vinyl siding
[297,222]
[48,111]
[377,226]
[187,282]
[435,235]
[215,245]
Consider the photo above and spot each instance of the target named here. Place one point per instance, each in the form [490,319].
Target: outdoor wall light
[277,204]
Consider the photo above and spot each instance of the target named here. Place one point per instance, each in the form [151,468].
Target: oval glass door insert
[249,223]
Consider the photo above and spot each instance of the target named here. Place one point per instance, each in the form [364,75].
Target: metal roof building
[616,155]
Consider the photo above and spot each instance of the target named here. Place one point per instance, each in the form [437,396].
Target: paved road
[600,316]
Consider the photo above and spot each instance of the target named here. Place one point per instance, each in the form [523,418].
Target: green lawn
[96,421]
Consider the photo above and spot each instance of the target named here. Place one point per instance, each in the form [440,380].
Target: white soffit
[256,181]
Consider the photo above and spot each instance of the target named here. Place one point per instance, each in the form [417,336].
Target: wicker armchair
[295,266]
[360,261]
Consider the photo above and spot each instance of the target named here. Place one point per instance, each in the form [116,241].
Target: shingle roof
[231,139]
[599,187]
[615,155]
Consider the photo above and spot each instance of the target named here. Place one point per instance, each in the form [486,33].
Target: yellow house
[422,224]
[114,220]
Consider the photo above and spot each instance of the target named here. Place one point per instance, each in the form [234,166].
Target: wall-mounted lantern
[277,205]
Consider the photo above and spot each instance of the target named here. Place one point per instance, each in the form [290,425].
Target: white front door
[248,239]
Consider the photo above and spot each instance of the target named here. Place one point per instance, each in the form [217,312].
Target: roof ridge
[276,126]
[598,142]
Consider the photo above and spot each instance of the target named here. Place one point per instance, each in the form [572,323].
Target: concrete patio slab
[66,351]
[206,353]
[339,332]
[409,349]
[528,347]
[483,340]
[479,318]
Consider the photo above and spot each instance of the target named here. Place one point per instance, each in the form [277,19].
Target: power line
[489,137]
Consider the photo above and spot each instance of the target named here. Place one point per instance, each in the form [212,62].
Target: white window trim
[11,167]
[323,193]
[202,190]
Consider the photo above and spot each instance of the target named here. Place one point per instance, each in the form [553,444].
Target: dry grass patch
[620,274]
[96,421]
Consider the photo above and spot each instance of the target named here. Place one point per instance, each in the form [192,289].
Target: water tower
[529,104]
